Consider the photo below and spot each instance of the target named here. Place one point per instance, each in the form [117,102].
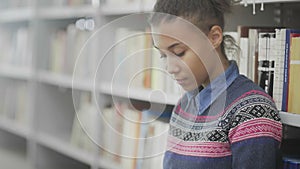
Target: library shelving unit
[38,108]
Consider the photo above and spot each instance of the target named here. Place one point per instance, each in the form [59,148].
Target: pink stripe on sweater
[200,149]
[260,127]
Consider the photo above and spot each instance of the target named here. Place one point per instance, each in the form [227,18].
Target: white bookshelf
[108,163]
[290,119]
[272,1]
[16,15]
[67,12]
[65,148]
[13,149]
[121,9]
[16,72]
[44,142]
[13,159]
[64,81]
[14,128]
[148,95]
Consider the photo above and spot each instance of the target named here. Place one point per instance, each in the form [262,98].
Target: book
[111,129]
[279,50]
[253,50]
[147,59]
[155,145]
[247,39]
[122,61]
[85,124]
[289,33]
[266,61]
[157,72]
[145,119]
[15,47]
[294,80]
[58,51]
[130,135]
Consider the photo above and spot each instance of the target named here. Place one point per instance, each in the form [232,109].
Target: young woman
[224,120]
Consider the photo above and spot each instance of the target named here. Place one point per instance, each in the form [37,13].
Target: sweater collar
[210,93]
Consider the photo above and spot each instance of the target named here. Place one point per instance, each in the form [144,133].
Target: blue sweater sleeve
[256,153]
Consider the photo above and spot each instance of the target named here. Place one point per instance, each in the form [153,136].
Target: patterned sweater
[230,124]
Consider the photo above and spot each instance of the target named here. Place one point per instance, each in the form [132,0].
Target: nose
[172,65]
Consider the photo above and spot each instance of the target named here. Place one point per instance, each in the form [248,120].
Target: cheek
[197,70]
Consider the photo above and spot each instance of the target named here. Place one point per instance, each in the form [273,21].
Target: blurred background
[64,61]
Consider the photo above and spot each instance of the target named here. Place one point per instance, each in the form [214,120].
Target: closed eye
[180,54]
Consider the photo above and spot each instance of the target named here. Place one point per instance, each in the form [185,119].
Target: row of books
[133,139]
[138,64]
[84,129]
[136,138]
[66,46]
[14,104]
[122,2]
[14,4]
[72,2]
[15,47]
[287,66]
[58,3]
[272,55]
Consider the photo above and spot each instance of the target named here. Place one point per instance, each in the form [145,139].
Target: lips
[180,81]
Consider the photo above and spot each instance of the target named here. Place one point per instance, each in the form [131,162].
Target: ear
[215,35]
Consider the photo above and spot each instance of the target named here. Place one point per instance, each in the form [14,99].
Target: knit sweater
[230,124]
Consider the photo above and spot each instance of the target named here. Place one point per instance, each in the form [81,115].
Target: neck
[219,69]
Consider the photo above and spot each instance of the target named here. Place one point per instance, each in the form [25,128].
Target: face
[185,52]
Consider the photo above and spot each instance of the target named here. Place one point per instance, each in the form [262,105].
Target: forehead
[176,30]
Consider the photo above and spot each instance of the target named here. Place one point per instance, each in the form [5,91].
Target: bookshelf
[290,119]
[41,135]
[16,15]
[154,96]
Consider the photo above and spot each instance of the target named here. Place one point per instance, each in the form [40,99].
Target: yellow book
[294,80]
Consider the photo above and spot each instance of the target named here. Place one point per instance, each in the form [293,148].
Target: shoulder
[244,89]
[247,102]
[251,114]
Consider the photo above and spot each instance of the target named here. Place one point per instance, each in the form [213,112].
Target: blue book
[289,33]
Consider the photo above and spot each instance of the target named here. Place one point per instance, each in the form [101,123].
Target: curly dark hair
[202,13]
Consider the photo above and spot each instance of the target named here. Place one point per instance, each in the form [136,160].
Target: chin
[188,88]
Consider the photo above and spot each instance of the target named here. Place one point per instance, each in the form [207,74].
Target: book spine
[294,82]
[285,98]
[285,71]
[279,63]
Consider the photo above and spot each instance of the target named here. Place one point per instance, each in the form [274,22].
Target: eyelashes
[177,54]
[180,54]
